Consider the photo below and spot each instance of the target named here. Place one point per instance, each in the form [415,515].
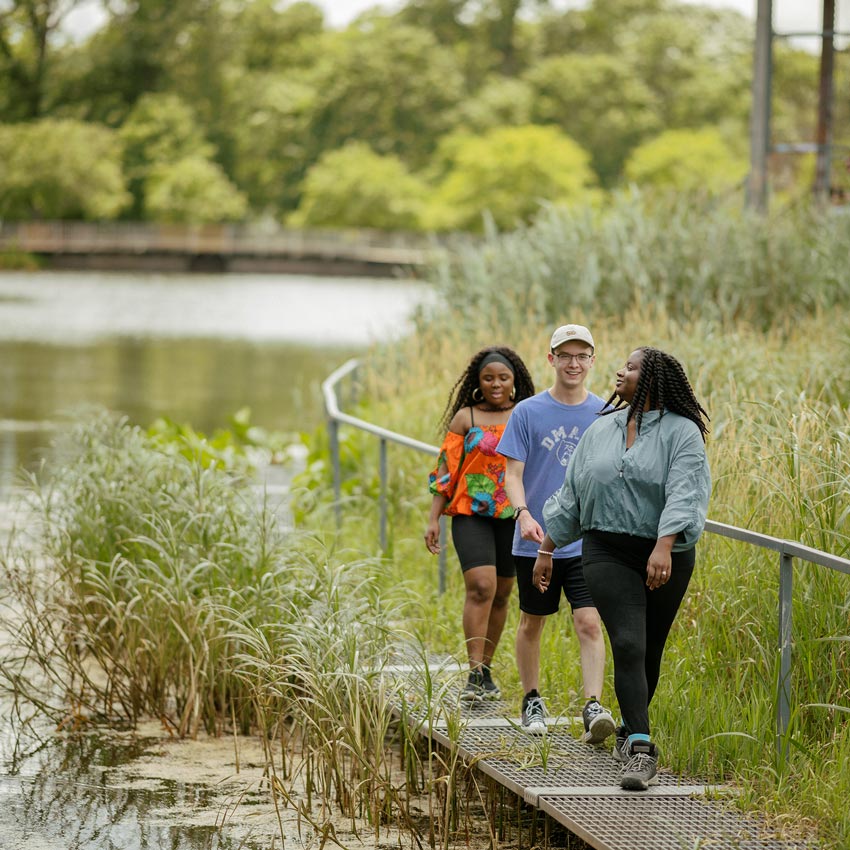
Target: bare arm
[529,527]
[432,530]
[659,566]
[460,424]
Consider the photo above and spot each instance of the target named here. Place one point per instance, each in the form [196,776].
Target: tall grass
[155,584]
[696,256]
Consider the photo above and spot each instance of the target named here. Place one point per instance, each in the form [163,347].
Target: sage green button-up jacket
[660,486]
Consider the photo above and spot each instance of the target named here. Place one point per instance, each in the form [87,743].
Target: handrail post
[442,560]
[783,697]
[333,436]
[382,498]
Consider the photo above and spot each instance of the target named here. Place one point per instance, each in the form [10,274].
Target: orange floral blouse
[475,481]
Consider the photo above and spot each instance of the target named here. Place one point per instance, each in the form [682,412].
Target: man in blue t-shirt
[538,442]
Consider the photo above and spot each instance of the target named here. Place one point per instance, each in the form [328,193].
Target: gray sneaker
[473,691]
[534,716]
[598,722]
[641,770]
[620,739]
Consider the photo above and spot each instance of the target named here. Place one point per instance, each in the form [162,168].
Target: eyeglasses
[581,359]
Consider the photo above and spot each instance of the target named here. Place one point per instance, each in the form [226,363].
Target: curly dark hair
[663,381]
[461,393]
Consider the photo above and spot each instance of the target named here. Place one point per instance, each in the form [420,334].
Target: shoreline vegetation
[160,589]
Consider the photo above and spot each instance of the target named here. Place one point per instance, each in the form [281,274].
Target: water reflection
[69,307]
[195,348]
[68,796]
[199,381]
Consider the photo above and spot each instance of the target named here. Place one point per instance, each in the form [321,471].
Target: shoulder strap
[471,417]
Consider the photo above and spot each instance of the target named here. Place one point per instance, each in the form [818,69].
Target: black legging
[636,618]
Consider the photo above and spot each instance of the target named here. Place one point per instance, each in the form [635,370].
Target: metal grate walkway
[578,785]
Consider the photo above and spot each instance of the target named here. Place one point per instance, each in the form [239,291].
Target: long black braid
[663,381]
[461,393]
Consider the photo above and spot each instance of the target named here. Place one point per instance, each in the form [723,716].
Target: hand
[432,537]
[529,528]
[658,568]
[542,574]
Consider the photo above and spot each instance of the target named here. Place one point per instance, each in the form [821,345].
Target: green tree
[696,61]
[27,32]
[501,101]
[269,38]
[192,190]
[444,19]
[160,130]
[687,160]
[390,86]
[60,170]
[273,143]
[507,172]
[499,19]
[355,187]
[794,82]
[147,46]
[598,101]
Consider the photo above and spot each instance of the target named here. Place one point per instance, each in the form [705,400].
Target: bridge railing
[79,237]
[786,549]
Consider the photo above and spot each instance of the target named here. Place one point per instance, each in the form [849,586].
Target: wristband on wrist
[544,552]
[518,510]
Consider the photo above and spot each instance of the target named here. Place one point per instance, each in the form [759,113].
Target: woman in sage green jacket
[637,493]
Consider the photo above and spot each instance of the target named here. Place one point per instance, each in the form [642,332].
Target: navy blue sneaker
[620,739]
[489,689]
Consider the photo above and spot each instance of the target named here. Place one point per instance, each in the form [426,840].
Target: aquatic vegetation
[153,583]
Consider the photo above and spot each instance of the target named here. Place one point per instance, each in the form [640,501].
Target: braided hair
[461,393]
[663,381]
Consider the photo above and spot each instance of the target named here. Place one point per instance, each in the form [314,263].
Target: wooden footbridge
[216,248]
[569,782]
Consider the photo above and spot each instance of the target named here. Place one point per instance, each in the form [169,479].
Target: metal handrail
[787,549]
[335,417]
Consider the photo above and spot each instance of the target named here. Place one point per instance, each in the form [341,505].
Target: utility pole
[825,89]
[760,114]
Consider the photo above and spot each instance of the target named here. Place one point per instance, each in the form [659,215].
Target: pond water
[195,349]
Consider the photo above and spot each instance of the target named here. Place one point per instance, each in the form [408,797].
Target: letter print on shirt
[562,442]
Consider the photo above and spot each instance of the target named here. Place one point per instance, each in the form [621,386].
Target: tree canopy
[60,169]
[270,106]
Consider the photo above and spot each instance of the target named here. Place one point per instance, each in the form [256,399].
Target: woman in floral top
[468,485]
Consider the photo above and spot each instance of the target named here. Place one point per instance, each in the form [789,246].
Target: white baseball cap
[567,333]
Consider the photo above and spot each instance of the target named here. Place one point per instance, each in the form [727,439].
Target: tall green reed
[693,255]
[158,585]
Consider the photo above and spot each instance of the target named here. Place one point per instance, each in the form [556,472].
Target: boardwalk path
[577,785]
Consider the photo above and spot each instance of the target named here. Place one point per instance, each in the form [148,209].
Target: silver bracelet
[544,552]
